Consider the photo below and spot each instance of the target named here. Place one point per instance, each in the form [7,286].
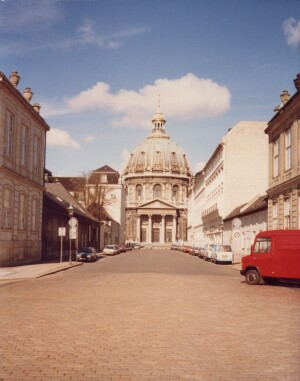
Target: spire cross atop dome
[158,120]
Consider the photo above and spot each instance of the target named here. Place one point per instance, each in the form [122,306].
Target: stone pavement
[34,271]
[42,269]
[85,324]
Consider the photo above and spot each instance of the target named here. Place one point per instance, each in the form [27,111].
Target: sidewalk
[35,270]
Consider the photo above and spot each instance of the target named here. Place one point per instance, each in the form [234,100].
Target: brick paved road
[190,321]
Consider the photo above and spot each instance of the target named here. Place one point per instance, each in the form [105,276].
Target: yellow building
[284,163]
[22,158]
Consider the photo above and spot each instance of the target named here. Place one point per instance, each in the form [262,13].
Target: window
[275,157]
[24,143]
[139,192]
[287,213]
[103,178]
[9,128]
[36,154]
[175,192]
[275,215]
[22,213]
[7,208]
[288,150]
[34,215]
[262,245]
[157,191]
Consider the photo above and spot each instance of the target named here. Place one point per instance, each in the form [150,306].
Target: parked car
[221,253]
[275,256]
[207,251]
[111,250]
[87,254]
[136,246]
[122,248]
[129,246]
[196,251]
[174,246]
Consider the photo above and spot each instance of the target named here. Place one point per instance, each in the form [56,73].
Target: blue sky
[97,66]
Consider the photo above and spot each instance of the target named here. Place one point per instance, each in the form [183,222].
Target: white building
[236,172]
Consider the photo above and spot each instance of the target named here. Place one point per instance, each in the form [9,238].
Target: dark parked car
[122,248]
[87,254]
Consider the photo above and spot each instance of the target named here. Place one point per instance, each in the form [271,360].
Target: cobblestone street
[100,322]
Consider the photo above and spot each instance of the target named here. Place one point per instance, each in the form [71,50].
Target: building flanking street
[148,315]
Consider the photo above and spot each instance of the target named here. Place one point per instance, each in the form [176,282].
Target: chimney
[14,78]
[28,94]
[36,107]
[297,82]
[285,96]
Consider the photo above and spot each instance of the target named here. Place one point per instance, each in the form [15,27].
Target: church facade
[157,178]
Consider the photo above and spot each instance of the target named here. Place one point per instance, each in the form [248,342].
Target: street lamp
[70,212]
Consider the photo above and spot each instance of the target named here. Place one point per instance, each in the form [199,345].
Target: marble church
[157,178]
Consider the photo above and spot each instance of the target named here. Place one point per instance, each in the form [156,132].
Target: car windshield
[86,249]
[223,248]
[110,247]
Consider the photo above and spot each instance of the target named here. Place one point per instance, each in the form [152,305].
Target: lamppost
[70,211]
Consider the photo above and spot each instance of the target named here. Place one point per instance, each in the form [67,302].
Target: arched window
[175,192]
[139,192]
[157,191]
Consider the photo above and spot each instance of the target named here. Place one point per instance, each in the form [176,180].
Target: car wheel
[252,277]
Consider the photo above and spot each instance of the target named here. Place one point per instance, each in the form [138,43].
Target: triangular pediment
[156,204]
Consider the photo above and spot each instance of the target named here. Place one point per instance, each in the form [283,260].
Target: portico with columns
[155,223]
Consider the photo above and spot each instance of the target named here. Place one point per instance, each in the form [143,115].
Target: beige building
[103,194]
[236,172]
[157,177]
[22,158]
[284,160]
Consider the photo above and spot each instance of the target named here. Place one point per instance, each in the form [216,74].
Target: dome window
[139,192]
[175,192]
[157,191]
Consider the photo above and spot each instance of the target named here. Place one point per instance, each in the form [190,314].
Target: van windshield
[224,248]
[262,245]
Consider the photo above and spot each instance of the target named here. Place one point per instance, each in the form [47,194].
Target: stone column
[162,230]
[149,238]
[174,229]
[138,228]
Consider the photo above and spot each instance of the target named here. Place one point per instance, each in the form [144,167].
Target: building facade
[157,178]
[284,161]
[22,159]
[103,195]
[236,172]
[243,223]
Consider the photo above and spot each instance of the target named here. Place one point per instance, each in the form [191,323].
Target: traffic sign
[73,233]
[236,234]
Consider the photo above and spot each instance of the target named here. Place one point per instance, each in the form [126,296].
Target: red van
[275,255]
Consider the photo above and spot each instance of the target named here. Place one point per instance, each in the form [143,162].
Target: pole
[70,257]
[61,248]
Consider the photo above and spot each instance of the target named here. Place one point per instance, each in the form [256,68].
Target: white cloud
[89,138]
[292,30]
[60,138]
[188,97]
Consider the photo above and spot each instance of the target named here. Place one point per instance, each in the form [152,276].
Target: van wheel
[252,277]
